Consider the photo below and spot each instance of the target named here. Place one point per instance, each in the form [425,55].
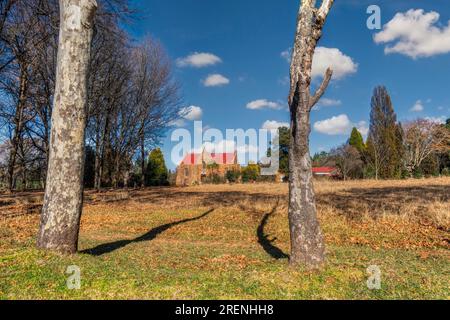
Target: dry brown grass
[381,214]
[232,241]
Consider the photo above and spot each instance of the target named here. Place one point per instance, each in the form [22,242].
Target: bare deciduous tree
[307,244]
[61,213]
[422,138]
[348,160]
[156,95]
[132,103]
[20,38]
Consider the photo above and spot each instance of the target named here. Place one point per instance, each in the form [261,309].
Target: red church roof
[192,158]
[218,158]
[324,170]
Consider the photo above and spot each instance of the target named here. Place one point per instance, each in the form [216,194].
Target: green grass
[191,262]
[179,272]
[215,257]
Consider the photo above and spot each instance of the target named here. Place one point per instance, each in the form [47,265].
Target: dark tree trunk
[61,214]
[142,164]
[116,172]
[98,164]
[18,123]
[307,244]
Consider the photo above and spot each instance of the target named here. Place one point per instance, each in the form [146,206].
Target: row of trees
[73,98]
[393,150]
[132,97]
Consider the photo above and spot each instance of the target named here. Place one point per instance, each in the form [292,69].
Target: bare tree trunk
[142,163]
[98,171]
[116,172]
[23,164]
[61,213]
[98,164]
[307,244]
[126,176]
[19,123]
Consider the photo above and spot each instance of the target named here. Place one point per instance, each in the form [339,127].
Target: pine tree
[384,145]
[156,173]
[285,136]
[357,141]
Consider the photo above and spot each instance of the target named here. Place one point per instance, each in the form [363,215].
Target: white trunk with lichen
[63,201]
[307,244]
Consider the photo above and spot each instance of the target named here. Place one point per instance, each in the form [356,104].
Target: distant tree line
[132,96]
[392,150]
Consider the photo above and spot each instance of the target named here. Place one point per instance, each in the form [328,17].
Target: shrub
[233,176]
[251,173]
[213,178]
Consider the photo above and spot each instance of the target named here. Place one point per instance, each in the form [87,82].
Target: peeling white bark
[61,213]
[307,244]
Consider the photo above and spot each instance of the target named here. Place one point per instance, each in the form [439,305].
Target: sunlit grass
[209,242]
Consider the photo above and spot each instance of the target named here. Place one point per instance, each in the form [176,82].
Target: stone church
[196,167]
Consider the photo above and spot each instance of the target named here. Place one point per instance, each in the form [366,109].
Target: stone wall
[188,175]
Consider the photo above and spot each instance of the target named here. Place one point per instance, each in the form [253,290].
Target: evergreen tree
[284,138]
[357,141]
[156,173]
[384,145]
[284,135]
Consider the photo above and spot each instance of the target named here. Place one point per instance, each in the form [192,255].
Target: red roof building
[198,167]
[209,158]
[325,172]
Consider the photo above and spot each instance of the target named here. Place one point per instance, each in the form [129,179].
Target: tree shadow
[149,236]
[265,242]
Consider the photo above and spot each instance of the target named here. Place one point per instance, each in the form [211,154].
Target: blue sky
[245,41]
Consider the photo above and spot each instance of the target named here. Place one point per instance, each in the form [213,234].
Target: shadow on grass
[149,236]
[265,242]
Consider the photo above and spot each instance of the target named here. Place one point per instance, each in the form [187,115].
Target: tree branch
[321,90]
[323,11]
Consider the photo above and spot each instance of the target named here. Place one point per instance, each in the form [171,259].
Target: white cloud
[286,54]
[340,125]
[341,64]
[440,120]
[363,128]
[324,58]
[325,102]
[178,123]
[335,126]
[264,104]
[229,146]
[415,34]
[198,60]
[223,146]
[215,80]
[273,125]
[191,113]
[418,106]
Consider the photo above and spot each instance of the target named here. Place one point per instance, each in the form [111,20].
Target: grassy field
[231,242]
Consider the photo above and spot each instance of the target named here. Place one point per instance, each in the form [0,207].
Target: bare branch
[321,90]
[323,11]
